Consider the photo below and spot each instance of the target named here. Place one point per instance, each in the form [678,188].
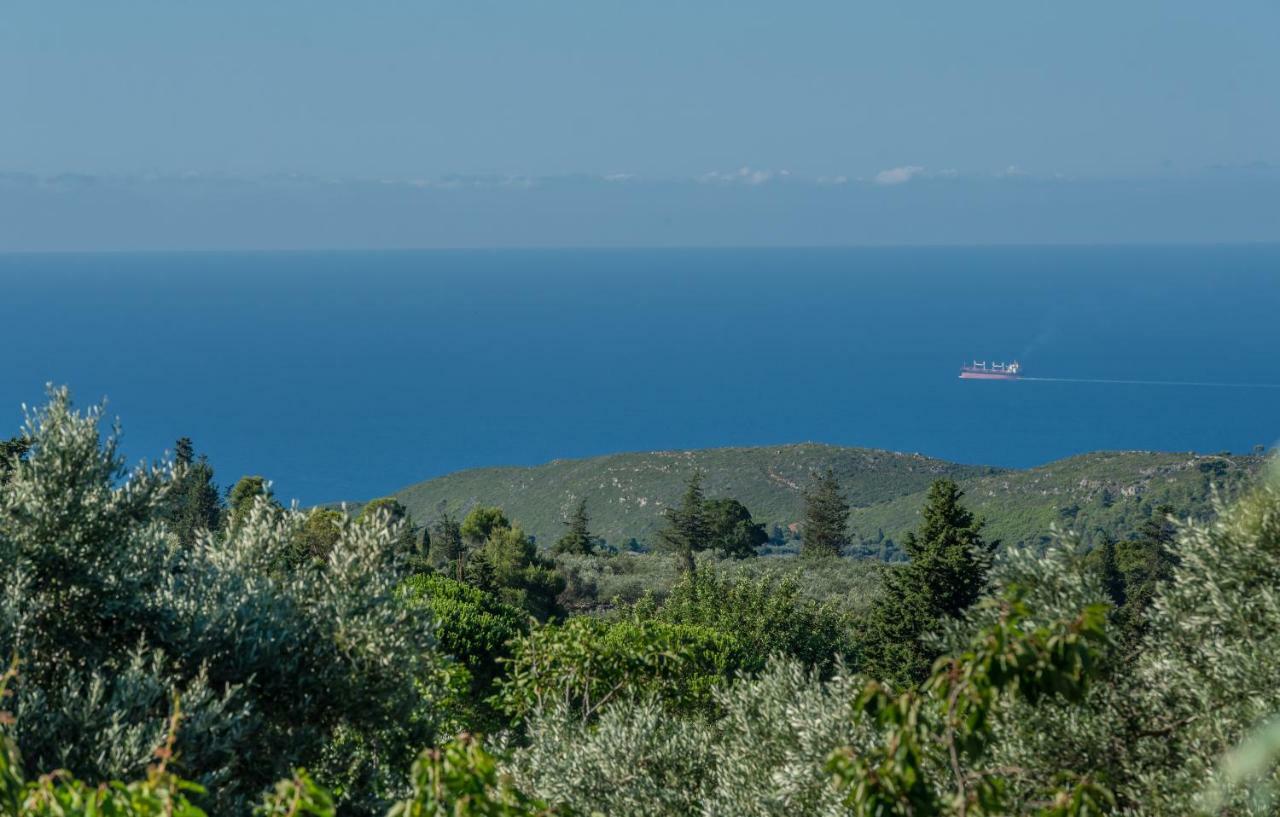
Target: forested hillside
[1111,492]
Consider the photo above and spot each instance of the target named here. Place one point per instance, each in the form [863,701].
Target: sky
[665,88]
[312,124]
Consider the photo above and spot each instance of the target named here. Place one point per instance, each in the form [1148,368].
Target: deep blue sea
[347,375]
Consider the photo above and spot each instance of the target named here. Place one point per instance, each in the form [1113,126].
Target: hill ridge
[1109,492]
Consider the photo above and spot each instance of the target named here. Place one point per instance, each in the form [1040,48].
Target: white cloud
[743,175]
[898,175]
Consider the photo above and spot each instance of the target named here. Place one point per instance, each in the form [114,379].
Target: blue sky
[405,90]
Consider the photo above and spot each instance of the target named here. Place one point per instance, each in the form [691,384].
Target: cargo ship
[980,370]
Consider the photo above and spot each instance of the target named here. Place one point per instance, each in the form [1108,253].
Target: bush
[767,616]
[473,627]
[509,565]
[587,663]
[275,668]
[762,756]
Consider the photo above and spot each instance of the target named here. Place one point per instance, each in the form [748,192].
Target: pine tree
[509,565]
[1132,571]
[578,538]
[193,502]
[946,574]
[201,508]
[184,451]
[447,548]
[826,518]
[687,531]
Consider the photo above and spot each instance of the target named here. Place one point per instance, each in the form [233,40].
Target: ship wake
[1196,383]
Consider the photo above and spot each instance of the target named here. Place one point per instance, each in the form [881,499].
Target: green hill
[627,493]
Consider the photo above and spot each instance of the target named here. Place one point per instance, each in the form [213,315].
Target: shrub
[763,755]
[473,627]
[587,663]
[767,616]
[275,667]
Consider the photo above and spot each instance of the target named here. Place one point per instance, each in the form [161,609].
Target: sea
[347,375]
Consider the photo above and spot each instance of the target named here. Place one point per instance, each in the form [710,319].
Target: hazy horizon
[746,208]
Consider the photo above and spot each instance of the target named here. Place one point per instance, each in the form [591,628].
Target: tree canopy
[945,575]
[826,518]
[577,539]
[731,531]
[687,530]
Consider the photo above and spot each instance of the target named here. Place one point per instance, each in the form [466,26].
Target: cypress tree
[687,531]
[577,539]
[946,574]
[826,518]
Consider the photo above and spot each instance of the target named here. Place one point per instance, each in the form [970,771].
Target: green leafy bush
[767,616]
[585,664]
[473,627]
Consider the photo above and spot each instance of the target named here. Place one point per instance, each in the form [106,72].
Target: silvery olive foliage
[1181,725]
[1209,678]
[763,754]
[1053,739]
[275,667]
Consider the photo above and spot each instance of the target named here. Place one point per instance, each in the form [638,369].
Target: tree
[937,736]
[732,531]
[509,566]
[1131,571]
[242,497]
[587,662]
[411,544]
[578,538]
[193,503]
[687,531]
[321,666]
[12,451]
[945,575]
[388,505]
[481,523]
[826,518]
[184,451]
[447,548]
[766,615]
[475,628]
[320,532]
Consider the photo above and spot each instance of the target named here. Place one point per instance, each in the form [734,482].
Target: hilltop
[1111,492]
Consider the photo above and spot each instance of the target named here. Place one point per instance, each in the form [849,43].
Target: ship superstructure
[981,370]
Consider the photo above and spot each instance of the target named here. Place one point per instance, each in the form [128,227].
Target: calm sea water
[346,375]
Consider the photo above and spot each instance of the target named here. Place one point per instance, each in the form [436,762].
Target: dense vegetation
[181,651]
[1104,493]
